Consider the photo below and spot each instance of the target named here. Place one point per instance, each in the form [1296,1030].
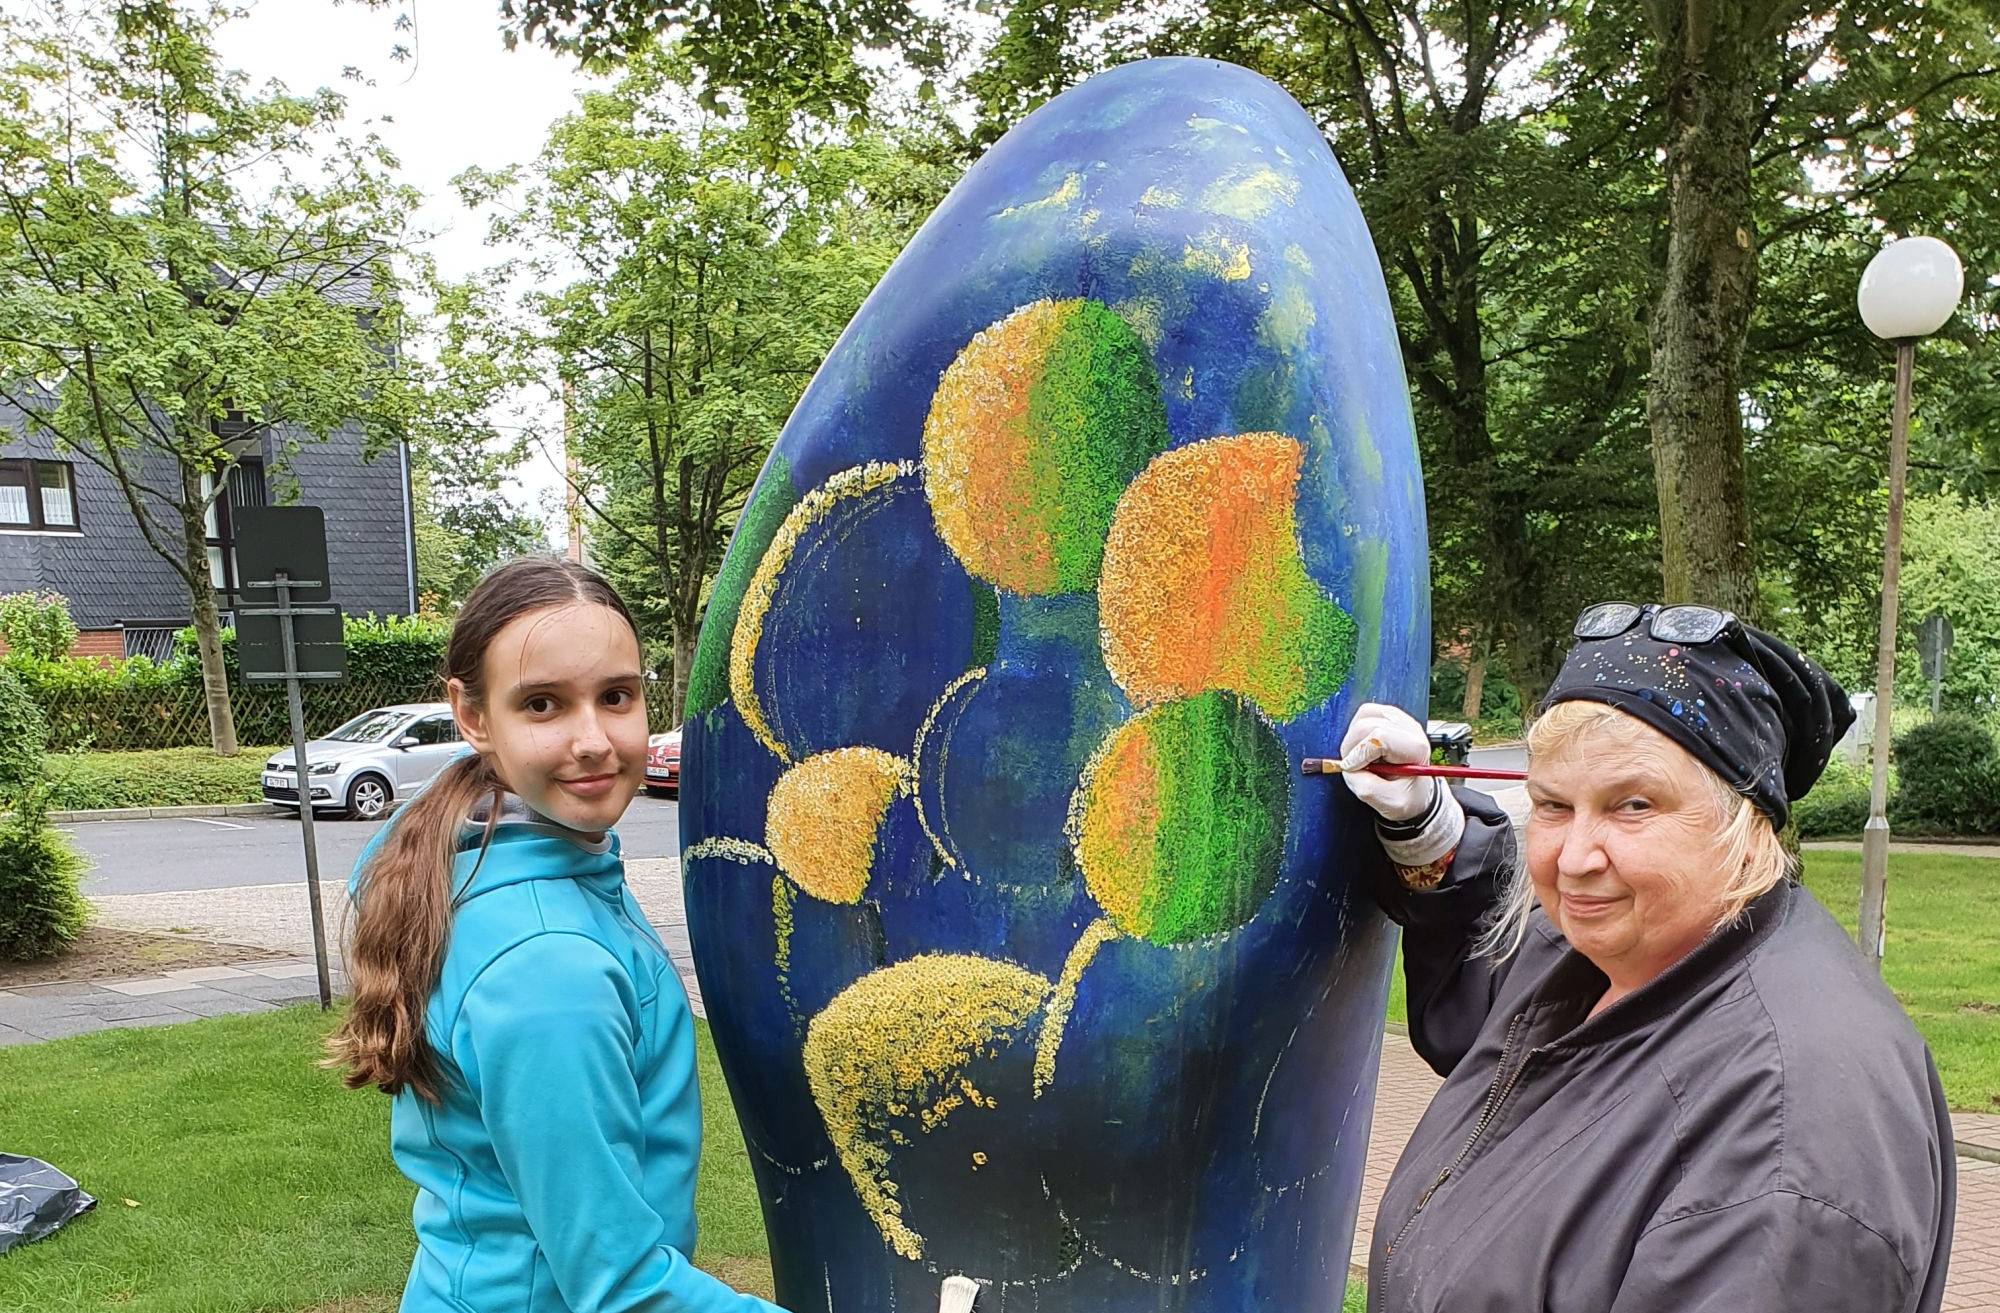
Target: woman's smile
[590,786]
[1582,906]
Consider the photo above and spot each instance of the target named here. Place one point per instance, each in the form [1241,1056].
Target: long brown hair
[402,918]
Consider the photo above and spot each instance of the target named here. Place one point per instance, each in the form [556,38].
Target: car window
[368,727]
[435,729]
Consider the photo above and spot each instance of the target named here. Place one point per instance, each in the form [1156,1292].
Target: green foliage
[37,625]
[1499,697]
[399,651]
[41,903]
[194,266]
[1951,565]
[23,733]
[136,704]
[1837,806]
[783,56]
[473,361]
[163,777]
[1947,778]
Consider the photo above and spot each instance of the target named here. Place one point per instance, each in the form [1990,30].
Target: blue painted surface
[1202,1146]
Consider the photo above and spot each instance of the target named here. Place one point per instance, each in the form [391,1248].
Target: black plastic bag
[35,1200]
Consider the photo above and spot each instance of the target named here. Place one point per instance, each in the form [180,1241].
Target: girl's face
[1624,849]
[563,719]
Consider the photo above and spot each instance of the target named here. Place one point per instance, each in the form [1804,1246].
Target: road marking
[227,825]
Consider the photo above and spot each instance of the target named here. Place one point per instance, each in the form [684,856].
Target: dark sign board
[317,642]
[290,540]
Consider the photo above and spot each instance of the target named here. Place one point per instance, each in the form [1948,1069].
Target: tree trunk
[207,627]
[1708,59]
[1475,678]
[684,636]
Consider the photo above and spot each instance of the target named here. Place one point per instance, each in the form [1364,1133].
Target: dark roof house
[65,528]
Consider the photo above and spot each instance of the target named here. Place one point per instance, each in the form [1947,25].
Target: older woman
[1672,1082]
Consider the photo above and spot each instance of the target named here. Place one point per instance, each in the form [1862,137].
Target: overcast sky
[464,99]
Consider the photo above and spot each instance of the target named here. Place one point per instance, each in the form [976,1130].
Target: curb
[163,813]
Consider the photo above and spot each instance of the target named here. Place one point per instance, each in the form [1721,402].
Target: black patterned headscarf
[1750,708]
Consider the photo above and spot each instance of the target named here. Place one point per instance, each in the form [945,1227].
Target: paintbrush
[959,1294]
[1331,766]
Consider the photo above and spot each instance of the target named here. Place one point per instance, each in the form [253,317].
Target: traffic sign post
[281,551]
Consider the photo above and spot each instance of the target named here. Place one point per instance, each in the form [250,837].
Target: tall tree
[188,268]
[1788,121]
[472,362]
[707,284]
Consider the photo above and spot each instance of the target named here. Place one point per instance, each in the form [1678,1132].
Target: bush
[1947,778]
[168,777]
[404,651]
[24,732]
[1837,805]
[37,625]
[41,906]
[136,705]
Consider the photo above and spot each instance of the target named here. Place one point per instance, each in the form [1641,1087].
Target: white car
[377,759]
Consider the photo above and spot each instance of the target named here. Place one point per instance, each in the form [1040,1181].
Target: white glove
[1383,733]
[1420,822]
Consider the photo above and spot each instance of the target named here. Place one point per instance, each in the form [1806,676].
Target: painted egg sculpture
[1027,952]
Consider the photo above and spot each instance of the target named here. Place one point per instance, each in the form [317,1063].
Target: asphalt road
[204,852]
[169,856]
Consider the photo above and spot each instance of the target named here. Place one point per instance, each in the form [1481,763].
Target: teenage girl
[510,995]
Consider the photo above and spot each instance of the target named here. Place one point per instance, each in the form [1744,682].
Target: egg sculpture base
[1027,952]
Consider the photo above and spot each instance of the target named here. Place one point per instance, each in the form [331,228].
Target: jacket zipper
[1496,1094]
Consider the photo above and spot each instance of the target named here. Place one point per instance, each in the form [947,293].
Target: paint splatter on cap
[1751,708]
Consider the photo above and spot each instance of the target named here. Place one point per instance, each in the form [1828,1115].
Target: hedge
[136,704]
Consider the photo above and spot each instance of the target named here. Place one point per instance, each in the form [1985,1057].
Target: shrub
[1947,778]
[41,906]
[167,777]
[402,651]
[37,625]
[1837,805]
[23,734]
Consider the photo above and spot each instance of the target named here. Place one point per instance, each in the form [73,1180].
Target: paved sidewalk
[32,1013]
[274,916]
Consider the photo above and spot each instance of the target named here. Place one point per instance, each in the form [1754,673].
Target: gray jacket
[1758,1129]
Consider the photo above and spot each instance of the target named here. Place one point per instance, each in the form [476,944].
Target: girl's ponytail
[401,925]
[402,922]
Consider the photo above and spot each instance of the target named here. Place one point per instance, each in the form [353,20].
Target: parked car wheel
[367,798]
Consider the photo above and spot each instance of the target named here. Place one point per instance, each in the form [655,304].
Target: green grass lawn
[1944,920]
[233,1174]
[165,777]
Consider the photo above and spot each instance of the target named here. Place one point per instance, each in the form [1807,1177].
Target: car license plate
[277,781]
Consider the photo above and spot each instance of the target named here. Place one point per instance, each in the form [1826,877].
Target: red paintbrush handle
[1331,766]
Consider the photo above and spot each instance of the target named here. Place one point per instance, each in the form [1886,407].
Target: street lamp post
[1909,290]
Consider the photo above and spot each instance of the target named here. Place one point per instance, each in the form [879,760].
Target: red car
[663,765]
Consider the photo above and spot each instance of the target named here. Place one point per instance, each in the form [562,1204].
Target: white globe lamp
[1911,288]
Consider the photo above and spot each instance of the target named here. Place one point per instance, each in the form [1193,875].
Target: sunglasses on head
[1665,624]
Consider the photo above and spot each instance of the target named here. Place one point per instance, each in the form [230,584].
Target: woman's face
[563,719]
[1624,848]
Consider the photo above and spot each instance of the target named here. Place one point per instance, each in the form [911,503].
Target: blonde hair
[1749,843]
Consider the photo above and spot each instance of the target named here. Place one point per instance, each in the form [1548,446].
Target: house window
[38,494]
[244,486]
[152,641]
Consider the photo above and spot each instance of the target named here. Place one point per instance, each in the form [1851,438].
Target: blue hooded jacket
[556,1174]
